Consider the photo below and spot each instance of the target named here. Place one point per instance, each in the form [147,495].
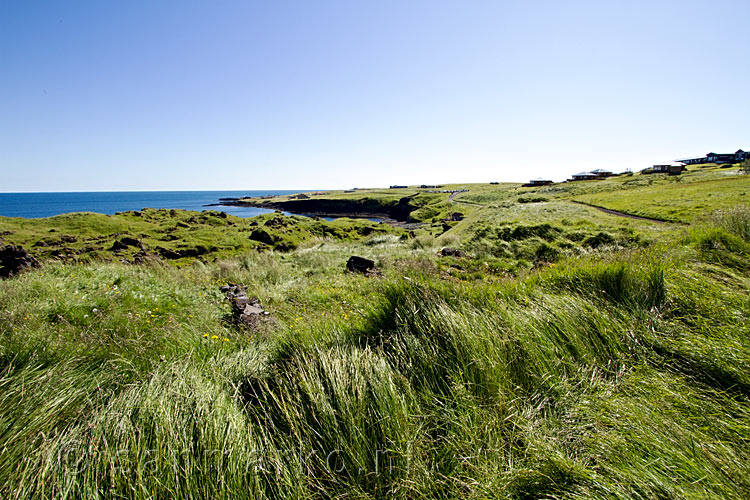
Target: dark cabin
[600,173]
[584,176]
[668,168]
[537,182]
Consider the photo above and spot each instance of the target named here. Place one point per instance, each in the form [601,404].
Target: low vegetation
[562,353]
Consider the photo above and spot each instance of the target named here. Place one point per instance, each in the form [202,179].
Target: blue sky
[145,95]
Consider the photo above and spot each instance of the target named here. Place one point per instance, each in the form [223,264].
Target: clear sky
[152,95]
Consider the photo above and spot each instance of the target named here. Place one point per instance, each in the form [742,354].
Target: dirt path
[623,214]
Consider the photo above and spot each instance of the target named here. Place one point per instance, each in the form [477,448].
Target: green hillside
[552,351]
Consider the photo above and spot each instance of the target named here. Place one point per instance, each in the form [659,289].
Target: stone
[451,252]
[246,310]
[360,265]
[125,242]
[262,236]
[14,259]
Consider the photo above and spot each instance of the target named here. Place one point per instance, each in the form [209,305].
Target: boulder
[125,242]
[360,265]
[451,252]
[246,310]
[263,236]
[14,259]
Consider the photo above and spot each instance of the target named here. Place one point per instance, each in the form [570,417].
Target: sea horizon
[41,204]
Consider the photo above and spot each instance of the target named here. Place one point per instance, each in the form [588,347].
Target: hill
[539,347]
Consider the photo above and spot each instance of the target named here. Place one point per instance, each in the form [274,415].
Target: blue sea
[34,205]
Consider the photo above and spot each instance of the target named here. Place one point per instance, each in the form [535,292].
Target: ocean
[35,205]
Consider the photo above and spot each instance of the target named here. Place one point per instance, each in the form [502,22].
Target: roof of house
[583,174]
[601,171]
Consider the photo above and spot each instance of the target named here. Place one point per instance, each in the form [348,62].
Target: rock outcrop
[451,252]
[14,259]
[361,265]
[246,310]
[125,242]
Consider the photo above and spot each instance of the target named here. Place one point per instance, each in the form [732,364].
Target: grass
[679,199]
[613,363]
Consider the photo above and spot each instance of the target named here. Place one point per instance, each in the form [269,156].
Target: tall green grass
[621,376]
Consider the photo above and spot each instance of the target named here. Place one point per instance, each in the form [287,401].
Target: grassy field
[569,353]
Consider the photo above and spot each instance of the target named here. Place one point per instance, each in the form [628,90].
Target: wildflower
[205,335]
[214,337]
[225,339]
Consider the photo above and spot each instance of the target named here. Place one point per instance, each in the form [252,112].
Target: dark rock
[169,237]
[125,242]
[168,253]
[285,246]
[451,252]
[276,222]
[179,253]
[139,258]
[263,236]
[246,311]
[40,243]
[360,265]
[182,224]
[66,238]
[14,259]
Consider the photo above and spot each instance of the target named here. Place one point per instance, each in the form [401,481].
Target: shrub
[736,221]
[634,284]
[599,239]
[546,253]
[532,199]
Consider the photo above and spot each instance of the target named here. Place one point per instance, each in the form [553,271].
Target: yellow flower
[214,337]
[205,335]
[225,339]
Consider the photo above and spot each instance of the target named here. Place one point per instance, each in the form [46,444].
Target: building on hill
[600,173]
[537,182]
[301,196]
[668,168]
[718,158]
[584,176]
[396,186]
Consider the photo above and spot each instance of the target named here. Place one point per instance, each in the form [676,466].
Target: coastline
[357,211]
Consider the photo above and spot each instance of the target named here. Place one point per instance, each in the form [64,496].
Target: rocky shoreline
[397,216]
